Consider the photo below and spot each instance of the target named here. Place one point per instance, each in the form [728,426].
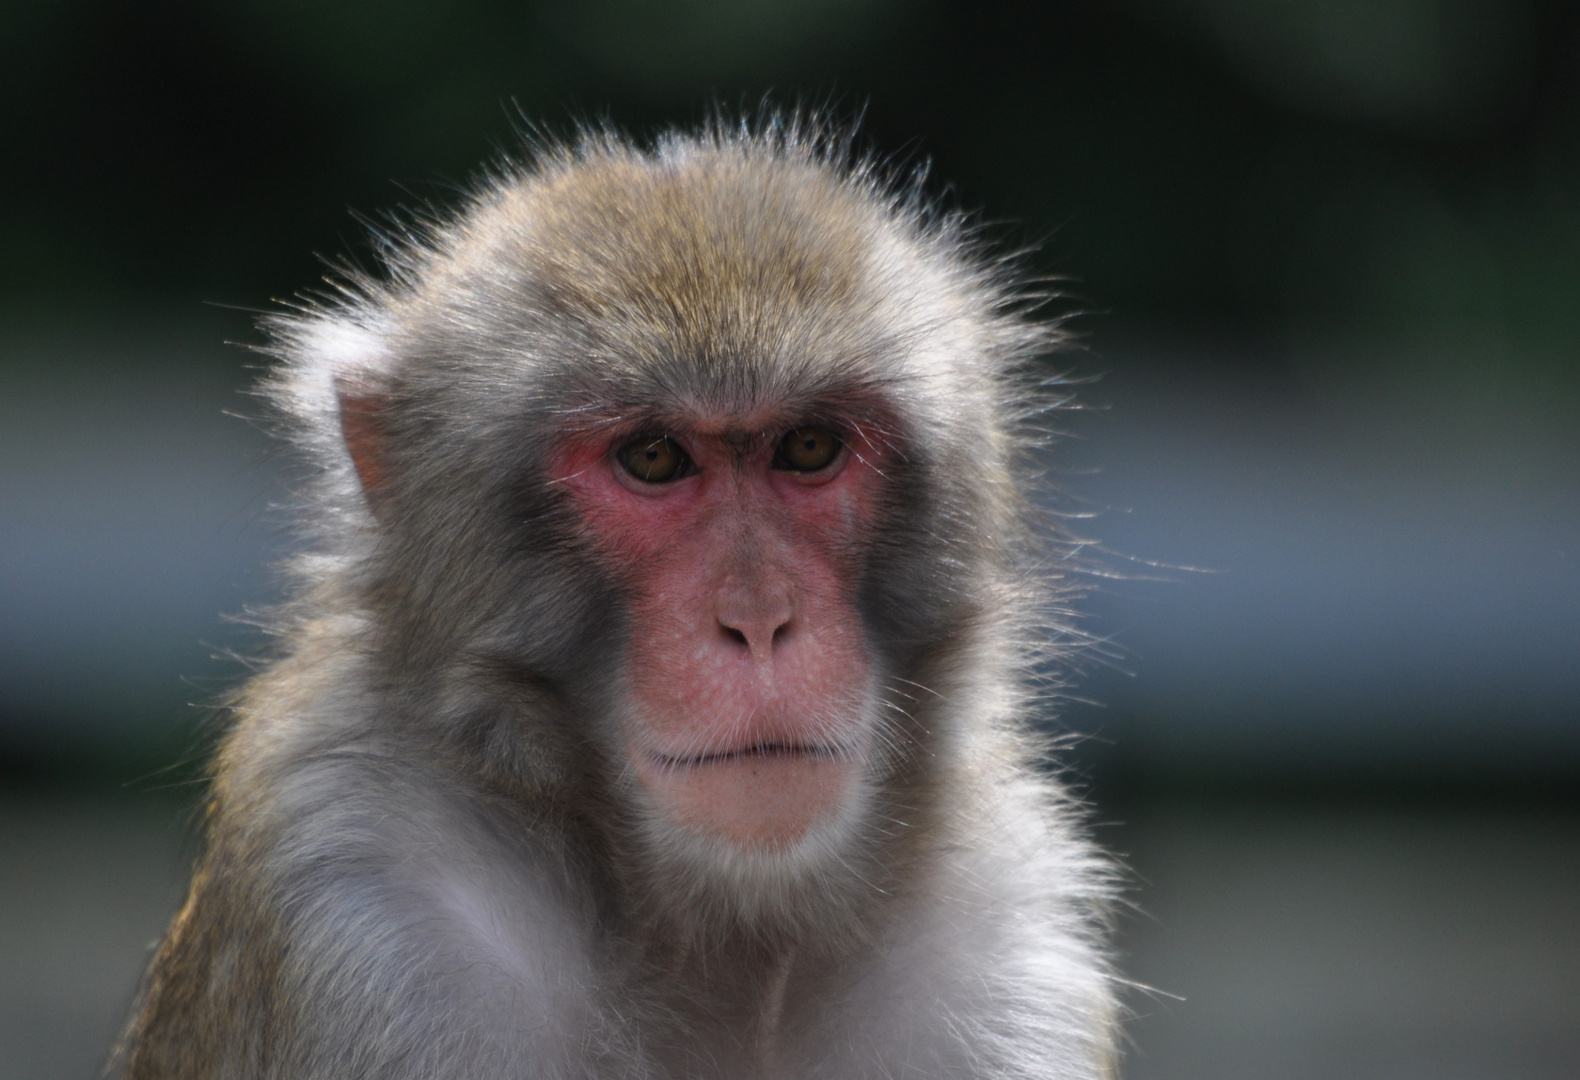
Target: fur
[424,858]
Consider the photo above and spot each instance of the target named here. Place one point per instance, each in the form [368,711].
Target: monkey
[655,697]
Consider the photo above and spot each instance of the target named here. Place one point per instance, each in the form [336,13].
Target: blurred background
[1324,257]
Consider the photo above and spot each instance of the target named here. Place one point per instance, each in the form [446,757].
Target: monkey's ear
[362,426]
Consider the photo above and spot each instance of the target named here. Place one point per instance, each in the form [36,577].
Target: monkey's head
[689,468]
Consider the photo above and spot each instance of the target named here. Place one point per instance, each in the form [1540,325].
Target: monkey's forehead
[704,276]
[740,248]
[704,234]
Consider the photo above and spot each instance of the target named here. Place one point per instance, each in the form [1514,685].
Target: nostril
[780,632]
[733,634]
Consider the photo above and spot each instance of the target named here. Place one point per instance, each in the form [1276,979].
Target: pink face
[749,685]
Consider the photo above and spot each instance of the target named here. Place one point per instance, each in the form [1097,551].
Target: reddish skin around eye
[749,679]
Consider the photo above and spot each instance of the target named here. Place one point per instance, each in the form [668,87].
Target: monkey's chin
[760,799]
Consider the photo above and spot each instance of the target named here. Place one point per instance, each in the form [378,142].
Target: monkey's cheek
[754,802]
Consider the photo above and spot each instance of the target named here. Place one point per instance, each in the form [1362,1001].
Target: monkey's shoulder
[354,917]
[995,965]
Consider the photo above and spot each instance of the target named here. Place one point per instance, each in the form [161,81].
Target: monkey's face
[739,541]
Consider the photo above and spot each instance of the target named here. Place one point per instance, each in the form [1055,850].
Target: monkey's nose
[756,627]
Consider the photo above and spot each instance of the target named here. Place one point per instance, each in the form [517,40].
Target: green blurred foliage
[1445,66]
[1383,190]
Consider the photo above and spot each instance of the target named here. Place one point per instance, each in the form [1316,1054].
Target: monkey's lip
[771,750]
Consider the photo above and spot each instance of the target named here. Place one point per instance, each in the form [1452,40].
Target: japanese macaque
[655,703]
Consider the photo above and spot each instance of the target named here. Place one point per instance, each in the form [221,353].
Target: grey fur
[422,857]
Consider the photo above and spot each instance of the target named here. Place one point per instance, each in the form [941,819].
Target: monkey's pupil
[807,449]
[653,461]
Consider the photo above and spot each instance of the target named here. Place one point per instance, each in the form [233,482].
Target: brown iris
[807,449]
[654,460]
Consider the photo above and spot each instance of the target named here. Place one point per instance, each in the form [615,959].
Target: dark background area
[1324,258]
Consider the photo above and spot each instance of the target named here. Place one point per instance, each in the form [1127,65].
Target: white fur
[400,885]
[469,953]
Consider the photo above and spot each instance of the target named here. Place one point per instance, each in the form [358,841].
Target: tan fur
[424,858]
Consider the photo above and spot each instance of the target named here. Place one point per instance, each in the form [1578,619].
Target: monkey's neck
[737,1003]
[771,1018]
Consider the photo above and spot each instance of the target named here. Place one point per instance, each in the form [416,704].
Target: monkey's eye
[807,449]
[654,460]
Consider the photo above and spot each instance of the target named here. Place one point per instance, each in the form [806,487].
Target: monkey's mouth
[761,792]
[772,750]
